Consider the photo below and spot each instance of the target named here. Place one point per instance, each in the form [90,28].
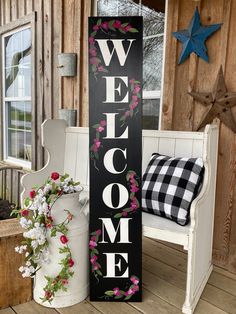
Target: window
[17,100]
[153,32]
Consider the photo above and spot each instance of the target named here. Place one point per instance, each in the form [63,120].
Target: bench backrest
[170,143]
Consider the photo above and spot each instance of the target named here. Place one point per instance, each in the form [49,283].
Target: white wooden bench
[68,149]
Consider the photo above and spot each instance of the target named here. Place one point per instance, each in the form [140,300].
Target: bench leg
[199,269]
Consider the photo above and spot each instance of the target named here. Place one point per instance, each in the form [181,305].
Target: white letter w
[117,46]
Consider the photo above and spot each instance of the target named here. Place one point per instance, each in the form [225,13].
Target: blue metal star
[193,38]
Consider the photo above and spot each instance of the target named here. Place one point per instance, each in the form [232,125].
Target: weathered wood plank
[111,307]
[7,311]
[14,10]
[84,307]
[33,307]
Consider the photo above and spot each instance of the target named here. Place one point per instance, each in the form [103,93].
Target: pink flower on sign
[100,68]
[93,259]
[136,89]
[103,123]
[131,175]
[127,113]
[92,243]
[134,189]
[94,148]
[127,28]
[97,142]
[95,27]
[117,291]
[129,292]
[134,97]
[131,81]
[105,25]
[91,40]
[99,232]
[95,267]
[124,214]
[134,280]
[134,206]
[93,52]
[93,60]
[136,288]
[100,129]
[93,238]
[117,24]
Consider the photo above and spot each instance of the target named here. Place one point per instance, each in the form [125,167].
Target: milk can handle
[83,202]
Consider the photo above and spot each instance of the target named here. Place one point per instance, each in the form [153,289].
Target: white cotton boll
[28,263]
[26,254]
[34,244]
[47,188]
[25,223]
[21,269]
[78,188]
[17,249]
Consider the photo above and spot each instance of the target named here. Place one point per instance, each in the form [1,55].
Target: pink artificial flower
[63,239]
[55,176]
[129,292]
[95,27]
[117,24]
[92,243]
[117,291]
[127,113]
[32,194]
[103,123]
[132,81]
[94,148]
[127,28]
[93,60]
[93,259]
[95,266]
[93,238]
[131,175]
[124,214]
[100,68]
[71,262]
[24,213]
[134,97]
[136,288]
[100,129]
[93,52]
[134,206]
[105,25]
[91,40]
[134,280]
[136,89]
[98,232]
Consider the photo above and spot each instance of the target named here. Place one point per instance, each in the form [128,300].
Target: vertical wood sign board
[115,80]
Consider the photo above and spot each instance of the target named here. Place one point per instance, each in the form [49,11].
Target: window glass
[151,109]
[17,97]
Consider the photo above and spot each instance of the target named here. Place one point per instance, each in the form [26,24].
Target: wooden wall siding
[181,112]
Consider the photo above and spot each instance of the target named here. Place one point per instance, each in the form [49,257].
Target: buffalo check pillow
[170,185]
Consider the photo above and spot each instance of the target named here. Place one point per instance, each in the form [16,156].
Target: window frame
[153,94]
[26,22]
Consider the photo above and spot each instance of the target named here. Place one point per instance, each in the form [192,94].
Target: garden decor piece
[193,38]
[55,242]
[115,89]
[219,103]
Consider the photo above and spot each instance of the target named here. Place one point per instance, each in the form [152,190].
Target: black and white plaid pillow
[170,185]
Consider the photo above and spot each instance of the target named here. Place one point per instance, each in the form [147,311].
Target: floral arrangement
[35,217]
[117,293]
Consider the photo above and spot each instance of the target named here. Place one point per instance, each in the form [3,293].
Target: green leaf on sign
[99,22]
[110,25]
[110,293]
[124,24]
[133,30]
[118,215]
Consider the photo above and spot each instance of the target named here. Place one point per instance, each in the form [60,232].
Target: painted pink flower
[71,262]
[127,113]
[133,105]
[93,238]
[100,68]
[117,24]
[92,244]
[91,40]
[94,148]
[95,27]
[100,129]
[64,281]
[97,142]
[134,97]
[134,206]
[129,292]
[95,266]
[98,232]
[134,280]
[93,60]
[132,81]
[93,52]
[131,175]
[127,28]
[93,259]
[117,291]
[134,189]
[105,25]
[124,214]
[103,123]
[136,288]
[136,89]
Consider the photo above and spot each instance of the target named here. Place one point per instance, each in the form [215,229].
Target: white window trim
[154,94]
[20,162]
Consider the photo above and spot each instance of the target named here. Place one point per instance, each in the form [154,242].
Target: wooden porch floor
[164,277]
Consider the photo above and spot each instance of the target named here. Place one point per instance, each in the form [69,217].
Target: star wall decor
[193,38]
[219,101]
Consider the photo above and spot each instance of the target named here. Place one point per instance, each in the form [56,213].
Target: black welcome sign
[115,89]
